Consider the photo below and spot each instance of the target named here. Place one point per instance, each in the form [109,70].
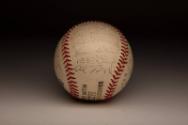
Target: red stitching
[65,48]
[121,64]
[123,58]
[123,54]
[65,43]
[111,85]
[73,88]
[121,36]
[65,40]
[66,61]
[117,73]
[68,65]
[115,77]
[69,71]
[70,77]
[73,94]
[124,47]
[72,85]
[118,69]
[66,56]
[108,96]
[65,52]
[113,81]
[123,50]
[109,90]
[69,74]
[124,43]
[108,93]
[72,82]
[122,61]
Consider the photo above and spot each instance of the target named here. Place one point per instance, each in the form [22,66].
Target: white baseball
[93,61]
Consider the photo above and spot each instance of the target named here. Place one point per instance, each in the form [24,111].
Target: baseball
[93,61]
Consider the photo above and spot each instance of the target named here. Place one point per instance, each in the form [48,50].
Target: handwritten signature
[94,65]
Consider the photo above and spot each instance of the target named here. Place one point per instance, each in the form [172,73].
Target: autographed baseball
[93,61]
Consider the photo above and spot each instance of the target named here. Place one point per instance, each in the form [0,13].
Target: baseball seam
[69,71]
[120,66]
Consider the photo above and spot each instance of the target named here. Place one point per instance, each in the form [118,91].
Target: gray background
[156,94]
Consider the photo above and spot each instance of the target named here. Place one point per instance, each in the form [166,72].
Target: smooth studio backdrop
[156,94]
